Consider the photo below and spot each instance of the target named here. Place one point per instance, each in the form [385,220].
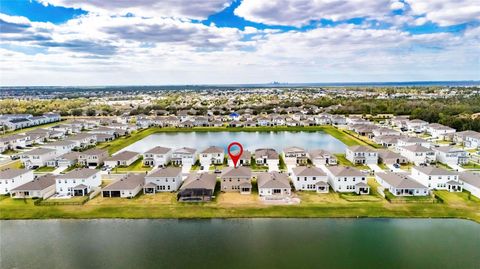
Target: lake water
[241,243]
[249,140]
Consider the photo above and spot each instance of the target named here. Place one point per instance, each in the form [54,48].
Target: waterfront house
[362,155]
[40,187]
[163,180]
[386,156]
[11,178]
[310,179]
[104,137]
[126,187]
[211,156]
[60,146]
[471,182]
[417,154]
[440,131]
[78,182]
[124,158]
[184,156]
[347,179]
[93,157]
[436,178]
[338,120]
[273,184]
[295,155]
[400,184]
[197,187]
[157,156]
[450,155]
[105,130]
[267,156]
[236,180]
[244,159]
[37,157]
[322,157]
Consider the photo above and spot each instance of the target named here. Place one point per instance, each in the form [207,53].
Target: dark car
[396,165]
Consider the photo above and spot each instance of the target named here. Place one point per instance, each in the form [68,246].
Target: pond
[249,140]
[241,243]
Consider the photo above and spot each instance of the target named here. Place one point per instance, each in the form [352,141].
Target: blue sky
[98,42]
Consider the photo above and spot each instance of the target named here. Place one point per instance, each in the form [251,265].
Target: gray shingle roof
[304,171]
[165,172]
[199,181]
[470,178]
[398,180]
[130,182]
[434,171]
[37,184]
[158,150]
[241,171]
[80,173]
[344,171]
[273,180]
[123,156]
[11,173]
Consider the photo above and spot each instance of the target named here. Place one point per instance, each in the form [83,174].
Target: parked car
[14,157]
[396,165]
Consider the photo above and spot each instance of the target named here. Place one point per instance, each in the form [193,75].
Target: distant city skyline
[179,42]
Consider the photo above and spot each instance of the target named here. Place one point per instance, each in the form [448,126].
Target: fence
[41,202]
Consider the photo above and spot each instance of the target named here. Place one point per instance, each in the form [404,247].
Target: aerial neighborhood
[394,156]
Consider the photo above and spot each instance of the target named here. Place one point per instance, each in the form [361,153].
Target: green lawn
[136,166]
[342,160]
[471,165]
[312,205]
[45,169]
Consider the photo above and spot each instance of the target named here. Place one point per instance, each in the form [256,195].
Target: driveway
[393,169]
[59,170]
[457,167]
[272,167]
[375,168]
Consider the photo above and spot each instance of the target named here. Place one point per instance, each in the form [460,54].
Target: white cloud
[446,12]
[193,9]
[301,12]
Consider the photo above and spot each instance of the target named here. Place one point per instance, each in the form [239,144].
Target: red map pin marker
[235,157]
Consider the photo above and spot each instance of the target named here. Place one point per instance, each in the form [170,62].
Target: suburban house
[273,184]
[65,160]
[400,184]
[126,187]
[124,158]
[322,157]
[417,126]
[197,187]
[411,141]
[471,182]
[338,120]
[104,137]
[437,178]
[362,155]
[236,180]
[439,131]
[309,179]
[184,156]
[417,154]
[93,157]
[60,146]
[347,179]
[469,139]
[37,157]
[211,156]
[267,156]
[83,140]
[78,182]
[389,157]
[450,155]
[387,140]
[384,131]
[41,187]
[244,159]
[163,180]
[157,156]
[12,178]
[295,155]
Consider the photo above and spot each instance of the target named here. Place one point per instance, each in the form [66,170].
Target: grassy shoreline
[164,206]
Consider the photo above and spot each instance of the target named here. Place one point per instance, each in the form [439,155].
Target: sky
[171,42]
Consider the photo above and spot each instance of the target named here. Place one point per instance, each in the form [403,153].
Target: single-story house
[124,158]
[273,184]
[197,187]
[41,187]
[400,184]
[126,187]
